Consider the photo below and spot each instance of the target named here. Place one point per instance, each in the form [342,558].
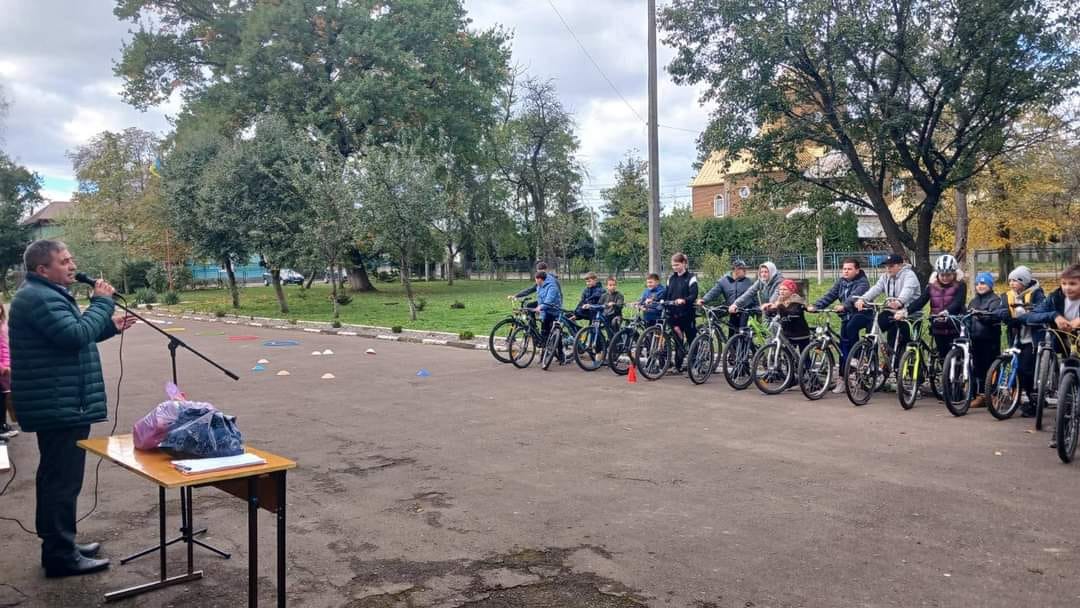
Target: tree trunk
[233,289]
[275,277]
[333,290]
[311,278]
[427,270]
[408,286]
[357,273]
[450,264]
[1005,254]
[925,217]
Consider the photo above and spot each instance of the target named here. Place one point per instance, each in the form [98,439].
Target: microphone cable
[97,468]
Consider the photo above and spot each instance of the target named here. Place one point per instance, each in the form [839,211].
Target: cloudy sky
[60,83]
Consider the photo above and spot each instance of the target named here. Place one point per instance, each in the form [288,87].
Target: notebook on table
[198,466]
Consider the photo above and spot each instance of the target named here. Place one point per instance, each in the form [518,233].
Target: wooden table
[259,485]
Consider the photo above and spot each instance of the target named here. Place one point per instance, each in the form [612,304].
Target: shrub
[301,293]
[466,335]
[389,277]
[171,298]
[135,272]
[396,329]
[292,321]
[420,304]
[344,299]
[457,305]
[156,278]
[145,295]
[335,324]
[219,313]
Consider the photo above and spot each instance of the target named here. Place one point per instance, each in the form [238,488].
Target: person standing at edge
[682,289]
[58,390]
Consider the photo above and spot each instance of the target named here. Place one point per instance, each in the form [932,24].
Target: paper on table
[196,466]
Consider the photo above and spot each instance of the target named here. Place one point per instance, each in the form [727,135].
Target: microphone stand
[186,516]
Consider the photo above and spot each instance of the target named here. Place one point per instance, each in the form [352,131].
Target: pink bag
[152,428]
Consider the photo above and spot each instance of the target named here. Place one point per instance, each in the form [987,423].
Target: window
[744,192]
[719,206]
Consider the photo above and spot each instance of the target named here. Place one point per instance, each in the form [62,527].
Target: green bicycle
[920,362]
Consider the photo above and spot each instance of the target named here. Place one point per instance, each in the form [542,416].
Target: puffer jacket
[549,298]
[589,295]
[942,298]
[56,379]
[844,292]
[729,287]
[982,328]
[5,357]
[760,293]
[1014,306]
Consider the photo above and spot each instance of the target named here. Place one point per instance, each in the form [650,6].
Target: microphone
[82,277]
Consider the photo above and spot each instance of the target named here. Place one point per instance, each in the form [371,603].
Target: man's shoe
[89,549]
[82,565]
[979,401]
[1027,412]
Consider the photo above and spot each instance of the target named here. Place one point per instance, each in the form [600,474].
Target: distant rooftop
[48,214]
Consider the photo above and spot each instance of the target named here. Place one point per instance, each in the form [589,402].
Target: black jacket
[982,328]
[844,292]
[685,287]
[729,287]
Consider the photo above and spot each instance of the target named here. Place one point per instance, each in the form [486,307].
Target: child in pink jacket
[6,432]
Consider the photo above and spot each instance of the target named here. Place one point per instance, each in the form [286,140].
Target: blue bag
[203,432]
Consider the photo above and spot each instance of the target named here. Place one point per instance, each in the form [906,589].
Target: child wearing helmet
[946,293]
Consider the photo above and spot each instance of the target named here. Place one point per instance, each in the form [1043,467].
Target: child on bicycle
[1024,294]
[549,305]
[946,293]
[612,301]
[1061,309]
[682,289]
[792,310]
[590,295]
[985,332]
[654,292]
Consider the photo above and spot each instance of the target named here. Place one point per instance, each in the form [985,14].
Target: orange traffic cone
[631,376]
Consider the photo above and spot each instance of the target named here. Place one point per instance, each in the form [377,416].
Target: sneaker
[979,401]
[839,389]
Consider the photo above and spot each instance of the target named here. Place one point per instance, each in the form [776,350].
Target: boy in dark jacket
[985,332]
[654,292]
[682,289]
[852,283]
[590,295]
[612,301]
[1024,294]
[728,289]
[1061,309]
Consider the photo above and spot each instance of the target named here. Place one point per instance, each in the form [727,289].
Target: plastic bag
[149,430]
[203,433]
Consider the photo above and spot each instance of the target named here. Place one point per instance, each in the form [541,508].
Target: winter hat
[790,285]
[1021,274]
[985,277]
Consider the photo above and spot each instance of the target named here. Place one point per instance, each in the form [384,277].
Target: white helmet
[946,263]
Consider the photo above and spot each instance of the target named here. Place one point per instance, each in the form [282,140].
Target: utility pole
[654,150]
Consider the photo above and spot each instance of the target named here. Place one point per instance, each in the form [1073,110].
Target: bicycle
[653,354]
[1046,375]
[591,342]
[621,348]
[958,368]
[522,316]
[1003,382]
[870,360]
[773,365]
[522,343]
[560,340]
[740,349]
[706,347]
[1067,433]
[919,362]
[816,361]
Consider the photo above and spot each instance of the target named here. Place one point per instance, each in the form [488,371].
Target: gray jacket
[904,286]
[760,293]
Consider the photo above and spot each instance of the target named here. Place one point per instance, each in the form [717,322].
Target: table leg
[161,531]
[253,542]
[189,526]
[280,479]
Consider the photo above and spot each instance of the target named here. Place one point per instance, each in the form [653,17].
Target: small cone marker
[370,351]
[262,362]
[423,373]
[328,376]
[631,376]
[258,368]
[316,353]
[328,352]
[284,372]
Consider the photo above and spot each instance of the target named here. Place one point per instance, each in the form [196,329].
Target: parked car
[288,277]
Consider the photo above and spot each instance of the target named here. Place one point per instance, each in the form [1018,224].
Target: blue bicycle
[560,341]
[1003,382]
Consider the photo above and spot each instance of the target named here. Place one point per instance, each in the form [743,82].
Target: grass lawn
[485,303]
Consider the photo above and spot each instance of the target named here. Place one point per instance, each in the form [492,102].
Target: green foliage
[344,299]
[396,329]
[157,278]
[466,335]
[145,295]
[421,304]
[220,313]
[171,298]
[19,192]
[335,324]
[457,305]
[624,233]
[136,274]
[713,267]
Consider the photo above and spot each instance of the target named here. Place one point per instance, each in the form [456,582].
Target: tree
[115,180]
[198,211]
[361,73]
[624,234]
[400,203]
[924,90]
[539,156]
[20,190]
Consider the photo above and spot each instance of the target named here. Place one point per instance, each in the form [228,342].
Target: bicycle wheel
[1068,416]
[773,369]
[935,376]
[621,351]
[1003,387]
[862,372]
[908,378]
[700,360]
[502,329]
[521,347]
[815,371]
[958,383]
[590,348]
[551,347]
[1046,378]
[737,353]
[651,353]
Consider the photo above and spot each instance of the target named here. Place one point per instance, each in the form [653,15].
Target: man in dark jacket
[682,290]
[729,288]
[852,283]
[58,391]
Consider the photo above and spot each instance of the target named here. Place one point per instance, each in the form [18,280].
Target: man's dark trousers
[59,481]
[850,328]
